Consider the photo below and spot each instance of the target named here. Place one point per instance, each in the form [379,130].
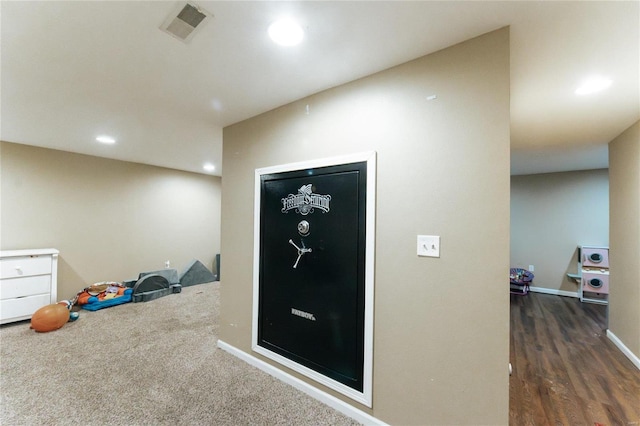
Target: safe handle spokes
[301,251]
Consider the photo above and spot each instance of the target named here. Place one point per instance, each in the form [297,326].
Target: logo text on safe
[305,201]
[303,314]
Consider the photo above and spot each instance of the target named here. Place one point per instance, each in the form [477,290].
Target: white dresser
[28,281]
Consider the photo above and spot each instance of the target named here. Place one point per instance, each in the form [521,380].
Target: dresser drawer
[24,266]
[22,308]
[27,286]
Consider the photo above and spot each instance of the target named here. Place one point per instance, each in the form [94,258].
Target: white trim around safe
[365,397]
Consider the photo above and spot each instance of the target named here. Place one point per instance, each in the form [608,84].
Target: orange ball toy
[49,318]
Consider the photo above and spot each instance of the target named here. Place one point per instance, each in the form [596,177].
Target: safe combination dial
[303,228]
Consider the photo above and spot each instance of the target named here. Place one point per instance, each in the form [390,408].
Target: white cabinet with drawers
[28,281]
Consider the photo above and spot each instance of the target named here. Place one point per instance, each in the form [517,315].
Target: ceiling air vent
[183,22]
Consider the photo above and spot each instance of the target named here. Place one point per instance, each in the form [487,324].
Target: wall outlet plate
[429,245]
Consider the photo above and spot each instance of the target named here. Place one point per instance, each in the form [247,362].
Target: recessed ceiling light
[593,85]
[286,32]
[106,139]
[217,104]
[209,167]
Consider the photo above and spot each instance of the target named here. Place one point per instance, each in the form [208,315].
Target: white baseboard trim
[554,291]
[624,349]
[325,398]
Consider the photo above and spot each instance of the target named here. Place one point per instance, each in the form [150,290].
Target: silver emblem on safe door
[305,201]
[303,228]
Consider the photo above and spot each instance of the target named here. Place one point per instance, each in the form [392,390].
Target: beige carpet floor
[151,363]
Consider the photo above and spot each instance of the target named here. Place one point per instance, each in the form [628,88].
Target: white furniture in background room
[28,281]
[593,270]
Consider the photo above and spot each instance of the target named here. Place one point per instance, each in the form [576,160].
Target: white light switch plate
[429,245]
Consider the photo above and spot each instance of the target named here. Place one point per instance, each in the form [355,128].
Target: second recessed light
[592,85]
[286,32]
[106,140]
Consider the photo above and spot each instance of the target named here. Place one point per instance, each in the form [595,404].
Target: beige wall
[110,219]
[624,300]
[553,213]
[441,325]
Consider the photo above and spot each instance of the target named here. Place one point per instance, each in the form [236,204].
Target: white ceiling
[73,70]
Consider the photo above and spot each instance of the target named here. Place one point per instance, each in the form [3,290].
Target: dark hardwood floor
[565,369]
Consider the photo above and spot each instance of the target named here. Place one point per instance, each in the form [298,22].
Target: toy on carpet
[52,317]
[154,284]
[151,286]
[103,295]
[148,286]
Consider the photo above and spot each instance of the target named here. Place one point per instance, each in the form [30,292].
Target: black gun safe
[312,279]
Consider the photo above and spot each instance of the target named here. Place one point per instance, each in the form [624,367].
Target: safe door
[312,269]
